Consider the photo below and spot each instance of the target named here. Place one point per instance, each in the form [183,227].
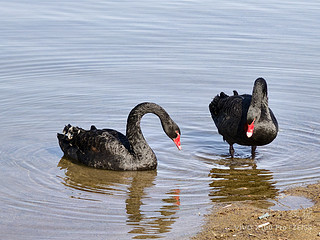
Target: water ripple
[85,63]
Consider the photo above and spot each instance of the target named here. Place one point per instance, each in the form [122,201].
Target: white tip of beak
[249,134]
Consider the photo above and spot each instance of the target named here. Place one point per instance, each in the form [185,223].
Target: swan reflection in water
[134,185]
[240,180]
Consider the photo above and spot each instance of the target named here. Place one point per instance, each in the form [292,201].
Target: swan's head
[176,140]
[173,131]
[250,128]
[252,115]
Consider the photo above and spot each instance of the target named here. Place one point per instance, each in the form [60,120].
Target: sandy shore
[241,220]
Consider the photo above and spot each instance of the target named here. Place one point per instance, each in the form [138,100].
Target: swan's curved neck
[259,102]
[140,147]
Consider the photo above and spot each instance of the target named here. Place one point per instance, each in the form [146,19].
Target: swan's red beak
[177,141]
[250,128]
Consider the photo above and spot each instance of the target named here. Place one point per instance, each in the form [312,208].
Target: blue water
[91,62]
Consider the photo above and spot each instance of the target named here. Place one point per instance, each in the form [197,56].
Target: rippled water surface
[90,62]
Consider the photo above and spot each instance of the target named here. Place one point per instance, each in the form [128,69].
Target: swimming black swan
[110,149]
[245,119]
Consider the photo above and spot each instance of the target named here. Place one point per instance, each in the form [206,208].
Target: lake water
[90,62]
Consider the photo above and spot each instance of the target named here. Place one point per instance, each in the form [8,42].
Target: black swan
[245,119]
[110,149]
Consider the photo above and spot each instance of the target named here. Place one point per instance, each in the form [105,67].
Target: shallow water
[90,62]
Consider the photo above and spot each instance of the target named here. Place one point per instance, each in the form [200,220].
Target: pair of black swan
[242,119]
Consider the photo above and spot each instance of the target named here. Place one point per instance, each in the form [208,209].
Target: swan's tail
[214,106]
[67,141]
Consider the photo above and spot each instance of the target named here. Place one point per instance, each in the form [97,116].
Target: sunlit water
[90,62]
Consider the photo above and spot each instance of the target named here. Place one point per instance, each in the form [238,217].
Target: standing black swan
[245,119]
[110,149]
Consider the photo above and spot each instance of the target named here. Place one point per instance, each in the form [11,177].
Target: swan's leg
[253,151]
[231,150]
